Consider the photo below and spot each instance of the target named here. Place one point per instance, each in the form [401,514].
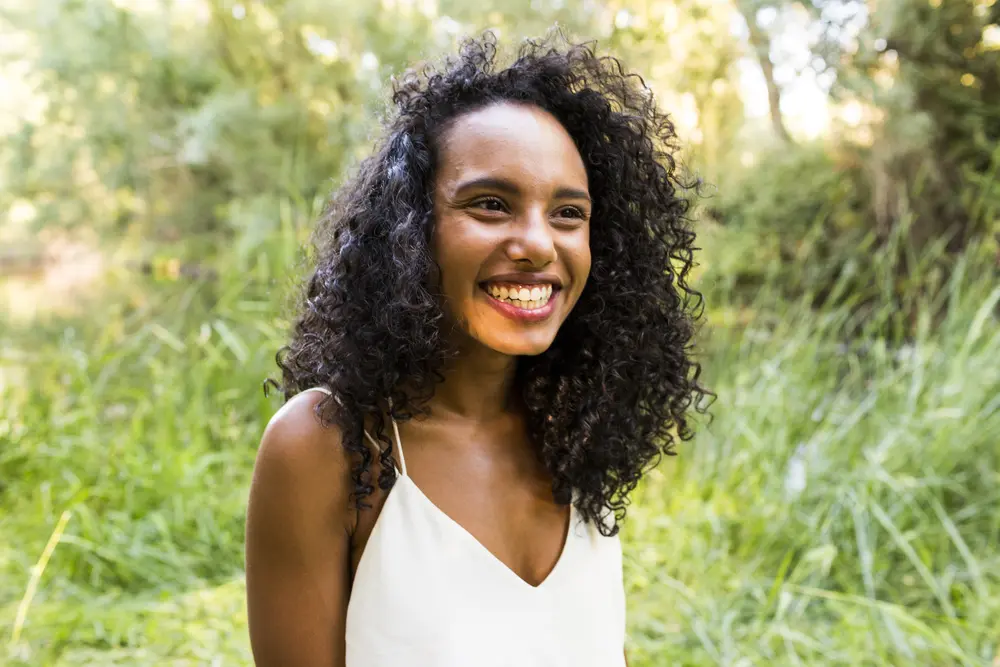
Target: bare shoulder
[295,444]
[295,429]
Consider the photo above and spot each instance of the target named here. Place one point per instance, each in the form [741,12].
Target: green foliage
[191,122]
[796,208]
[199,118]
[807,213]
[932,73]
[913,164]
[842,507]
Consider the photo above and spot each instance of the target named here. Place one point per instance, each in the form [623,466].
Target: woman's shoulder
[299,454]
[295,431]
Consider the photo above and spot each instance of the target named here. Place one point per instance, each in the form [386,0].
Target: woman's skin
[511,201]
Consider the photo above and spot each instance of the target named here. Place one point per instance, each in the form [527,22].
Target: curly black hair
[613,392]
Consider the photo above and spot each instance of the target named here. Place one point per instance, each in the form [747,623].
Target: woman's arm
[298,542]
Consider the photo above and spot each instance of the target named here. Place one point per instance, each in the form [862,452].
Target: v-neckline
[563,554]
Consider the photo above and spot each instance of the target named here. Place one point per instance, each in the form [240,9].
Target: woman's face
[512,226]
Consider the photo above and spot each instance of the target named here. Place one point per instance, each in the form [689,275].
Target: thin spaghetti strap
[395,430]
[399,443]
[371,440]
[402,464]
[399,446]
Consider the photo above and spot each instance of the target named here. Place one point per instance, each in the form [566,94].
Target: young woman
[493,348]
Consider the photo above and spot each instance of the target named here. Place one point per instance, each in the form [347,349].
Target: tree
[760,44]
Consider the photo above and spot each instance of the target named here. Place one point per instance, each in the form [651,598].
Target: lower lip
[523,314]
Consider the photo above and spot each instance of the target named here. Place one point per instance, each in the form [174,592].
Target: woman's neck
[478,385]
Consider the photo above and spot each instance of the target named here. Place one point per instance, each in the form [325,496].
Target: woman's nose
[533,240]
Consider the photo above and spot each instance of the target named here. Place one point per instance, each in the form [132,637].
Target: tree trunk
[761,44]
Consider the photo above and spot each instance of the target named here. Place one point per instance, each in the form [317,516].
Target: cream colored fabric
[428,594]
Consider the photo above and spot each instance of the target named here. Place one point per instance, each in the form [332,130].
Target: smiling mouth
[524,297]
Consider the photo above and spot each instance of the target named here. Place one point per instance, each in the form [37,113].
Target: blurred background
[161,166]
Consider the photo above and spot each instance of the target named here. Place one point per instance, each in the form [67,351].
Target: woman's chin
[519,348]
[514,341]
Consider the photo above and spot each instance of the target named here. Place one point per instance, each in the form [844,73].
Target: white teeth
[523,297]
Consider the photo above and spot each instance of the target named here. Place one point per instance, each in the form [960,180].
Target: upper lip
[522,278]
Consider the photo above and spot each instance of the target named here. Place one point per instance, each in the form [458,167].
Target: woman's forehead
[510,140]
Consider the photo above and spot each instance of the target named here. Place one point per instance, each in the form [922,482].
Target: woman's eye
[570,212]
[490,204]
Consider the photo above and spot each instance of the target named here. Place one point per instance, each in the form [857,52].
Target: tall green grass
[843,508]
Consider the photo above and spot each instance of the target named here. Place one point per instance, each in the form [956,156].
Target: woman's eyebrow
[508,187]
[572,193]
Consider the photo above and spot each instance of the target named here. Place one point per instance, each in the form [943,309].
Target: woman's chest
[504,503]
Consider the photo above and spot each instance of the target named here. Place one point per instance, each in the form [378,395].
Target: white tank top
[429,594]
